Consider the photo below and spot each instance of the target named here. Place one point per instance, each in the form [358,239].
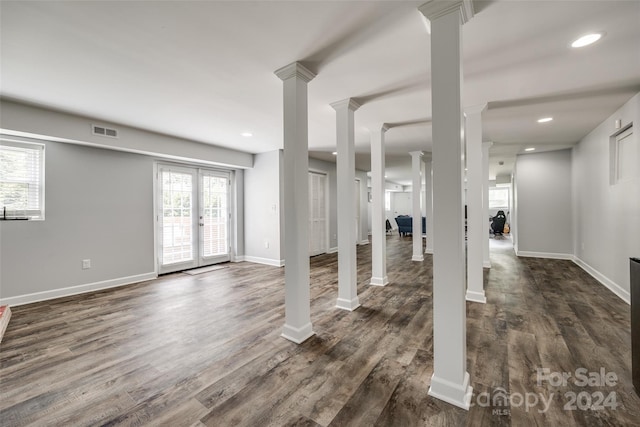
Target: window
[21,180]
[387,200]
[498,197]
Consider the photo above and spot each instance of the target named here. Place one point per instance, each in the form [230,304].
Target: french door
[192,217]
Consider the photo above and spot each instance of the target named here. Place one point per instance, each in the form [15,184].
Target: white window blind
[498,197]
[21,180]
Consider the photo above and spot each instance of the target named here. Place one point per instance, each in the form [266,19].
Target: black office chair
[498,223]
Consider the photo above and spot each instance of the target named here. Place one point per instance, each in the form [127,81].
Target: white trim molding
[434,9]
[455,394]
[297,335]
[76,290]
[476,296]
[604,280]
[346,304]
[379,281]
[550,255]
[265,261]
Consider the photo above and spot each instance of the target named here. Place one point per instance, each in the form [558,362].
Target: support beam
[297,327]
[346,171]
[477,229]
[416,236]
[486,253]
[428,185]
[450,380]
[378,216]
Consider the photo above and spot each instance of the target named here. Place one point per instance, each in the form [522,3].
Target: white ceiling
[205,70]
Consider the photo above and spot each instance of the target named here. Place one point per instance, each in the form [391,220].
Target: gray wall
[77,129]
[544,207]
[607,217]
[262,203]
[98,206]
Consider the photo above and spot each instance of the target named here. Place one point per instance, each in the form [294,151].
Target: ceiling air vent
[104,131]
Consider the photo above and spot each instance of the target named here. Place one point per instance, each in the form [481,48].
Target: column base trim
[428,251]
[476,296]
[456,394]
[486,264]
[346,304]
[417,258]
[379,281]
[297,335]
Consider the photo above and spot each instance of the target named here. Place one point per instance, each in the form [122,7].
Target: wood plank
[224,362]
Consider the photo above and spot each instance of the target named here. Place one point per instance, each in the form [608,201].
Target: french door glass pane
[214,215]
[177,218]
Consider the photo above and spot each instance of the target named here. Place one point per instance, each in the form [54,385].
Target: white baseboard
[348,305]
[604,280]
[238,258]
[332,250]
[265,261]
[297,335]
[379,281]
[456,394]
[549,255]
[608,283]
[75,290]
[476,296]
[363,242]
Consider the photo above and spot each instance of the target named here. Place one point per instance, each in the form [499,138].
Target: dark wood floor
[205,350]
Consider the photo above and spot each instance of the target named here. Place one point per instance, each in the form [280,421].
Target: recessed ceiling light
[545,119]
[587,40]
[246,134]
[530,149]
[335,153]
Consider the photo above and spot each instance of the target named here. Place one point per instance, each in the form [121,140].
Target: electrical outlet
[86,263]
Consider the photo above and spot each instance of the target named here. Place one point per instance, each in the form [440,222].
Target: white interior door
[192,217]
[317,213]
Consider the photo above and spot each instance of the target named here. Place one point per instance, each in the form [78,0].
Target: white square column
[416,236]
[428,197]
[476,227]
[486,253]
[450,380]
[378,216]
[297,327]
[346,175]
